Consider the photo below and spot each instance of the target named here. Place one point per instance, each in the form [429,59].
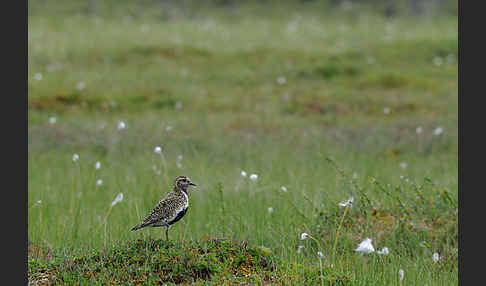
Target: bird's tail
[137,227]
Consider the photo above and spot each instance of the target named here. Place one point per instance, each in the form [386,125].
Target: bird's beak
[192,184]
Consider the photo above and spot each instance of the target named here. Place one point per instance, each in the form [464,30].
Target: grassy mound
[156,262]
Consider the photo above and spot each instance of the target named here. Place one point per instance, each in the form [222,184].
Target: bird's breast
[179,215]
[186,201]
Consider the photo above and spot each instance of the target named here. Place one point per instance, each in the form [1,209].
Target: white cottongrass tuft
[365,246]
[158,150]
[284,189]
[178,162]
[52,120]
[450,58]
[118,199]
[299,248]
[438,61]
[168,128]
[419,130]
[254,177]
[270,210]
[243,173]
[386,110]
[121,125]
[346,5]
[157,171]
[384,251]
[55,66]
[304,235]
[184,72]
[38,76]
[81,85]
[435,257]
[438,131]
[281,80]
[404,165]
[319,254]
[75,157]
[401,273]
[348,202]
[39,202]
[99,182]
[144,28]
[355,175]
[98,165]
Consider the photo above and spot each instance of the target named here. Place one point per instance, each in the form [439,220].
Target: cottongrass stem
[346,205]
[118,199]
[158,150]
[305,235]
[320,255]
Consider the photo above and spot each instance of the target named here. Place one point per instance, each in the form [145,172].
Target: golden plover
[171,208]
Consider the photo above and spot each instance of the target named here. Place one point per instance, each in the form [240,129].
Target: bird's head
[182,183]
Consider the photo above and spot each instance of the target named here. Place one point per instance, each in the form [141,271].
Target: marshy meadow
[323,139]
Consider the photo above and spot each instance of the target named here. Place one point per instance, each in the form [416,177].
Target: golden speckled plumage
[171,208]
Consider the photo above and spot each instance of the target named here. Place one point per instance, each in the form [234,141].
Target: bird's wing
[164,210]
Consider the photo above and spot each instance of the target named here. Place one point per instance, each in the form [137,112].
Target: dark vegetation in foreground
[156,261]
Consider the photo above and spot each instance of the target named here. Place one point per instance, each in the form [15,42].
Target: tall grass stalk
[320,269]
[164,165]
[103,221]
[337,236]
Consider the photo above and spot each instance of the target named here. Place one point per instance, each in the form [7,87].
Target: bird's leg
[167,233]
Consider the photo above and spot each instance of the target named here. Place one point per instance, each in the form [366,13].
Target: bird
[171,208]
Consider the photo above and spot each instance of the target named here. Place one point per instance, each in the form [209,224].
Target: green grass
[213,77]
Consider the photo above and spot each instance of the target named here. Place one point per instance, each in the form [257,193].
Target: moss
[158,260]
